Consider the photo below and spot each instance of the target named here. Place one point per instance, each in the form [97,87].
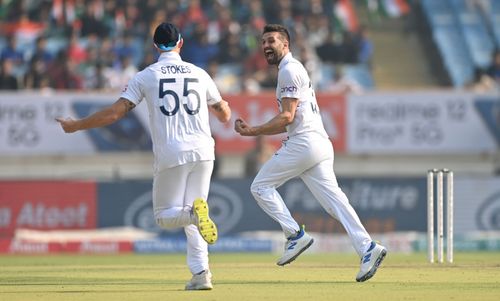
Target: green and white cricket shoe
[294,246]
[202,281]
[370,261]
[206,226]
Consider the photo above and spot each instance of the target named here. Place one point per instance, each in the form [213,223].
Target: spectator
[106,54]
[227,82]
[222,24]
[62,73]
[256,67]
[40,53]
[310,62]
[95,78]
[199,51]
[124,47]
[92,22]
[343,84]
[493,70]
[257,19]
[134,24]
[127,71]
[149,58]
[249,84]
[36,73]
[329,50]
[194,14]
[365,46]
[12,53]
[76,52]
[482,82]
[317,29]
[348,49]
[230,50]
[7,79]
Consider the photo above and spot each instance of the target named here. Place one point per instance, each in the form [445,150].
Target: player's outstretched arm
[104,117]
[221,110]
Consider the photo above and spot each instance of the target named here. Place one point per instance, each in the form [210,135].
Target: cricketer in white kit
[308,154]
[179,96]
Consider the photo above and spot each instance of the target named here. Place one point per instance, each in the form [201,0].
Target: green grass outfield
[238,277]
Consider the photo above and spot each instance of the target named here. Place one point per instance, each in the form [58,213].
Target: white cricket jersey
[177,94]
[294,82]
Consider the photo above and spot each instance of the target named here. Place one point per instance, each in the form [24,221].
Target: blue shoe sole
[372,272]
[297,255]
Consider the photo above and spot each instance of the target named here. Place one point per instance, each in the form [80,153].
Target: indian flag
[346,15]
[396,8]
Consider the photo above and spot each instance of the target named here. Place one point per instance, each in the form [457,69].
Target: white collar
[169,55]
[287,58]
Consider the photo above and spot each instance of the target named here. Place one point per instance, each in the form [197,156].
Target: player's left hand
[68,125]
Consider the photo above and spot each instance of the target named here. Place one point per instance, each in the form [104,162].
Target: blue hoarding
[383,205]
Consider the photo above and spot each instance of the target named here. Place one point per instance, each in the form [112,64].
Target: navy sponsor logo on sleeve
[290,89]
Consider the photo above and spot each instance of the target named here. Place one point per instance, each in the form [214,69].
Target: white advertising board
[28,126]
[422,123]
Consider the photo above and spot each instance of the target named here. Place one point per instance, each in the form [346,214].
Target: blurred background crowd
[100,44]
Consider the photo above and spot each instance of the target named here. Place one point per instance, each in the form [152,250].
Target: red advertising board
[259,108]
[46,205]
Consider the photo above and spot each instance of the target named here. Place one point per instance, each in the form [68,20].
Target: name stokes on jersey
[175,69]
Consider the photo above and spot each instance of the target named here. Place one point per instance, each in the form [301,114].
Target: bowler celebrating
[307,153]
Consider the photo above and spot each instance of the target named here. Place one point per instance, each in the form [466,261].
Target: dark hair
[166,36]
[278,28]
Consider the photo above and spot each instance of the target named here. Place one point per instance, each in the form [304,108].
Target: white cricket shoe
[294,246]
[206,226]
[370,261]
[201,281]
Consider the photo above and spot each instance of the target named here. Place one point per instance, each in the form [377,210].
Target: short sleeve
[213,94]
[289,83]
[132,90]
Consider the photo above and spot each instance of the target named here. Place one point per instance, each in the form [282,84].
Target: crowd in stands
[99,44]
[487,79]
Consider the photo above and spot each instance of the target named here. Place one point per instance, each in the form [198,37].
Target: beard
[273,58]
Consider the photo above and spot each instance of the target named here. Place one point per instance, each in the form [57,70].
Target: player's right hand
[239,124]
[242,127]
[68,125]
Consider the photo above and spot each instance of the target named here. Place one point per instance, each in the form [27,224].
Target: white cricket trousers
[309,157]
[174,191]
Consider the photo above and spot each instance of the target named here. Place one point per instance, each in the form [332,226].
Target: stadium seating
[475,31]
[493,14]
[327,76]
[361,74]
[465,35]
[450,41]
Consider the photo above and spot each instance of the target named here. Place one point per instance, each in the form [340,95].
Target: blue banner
[383,205]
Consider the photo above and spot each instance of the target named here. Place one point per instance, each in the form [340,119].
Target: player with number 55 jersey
[179,96]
